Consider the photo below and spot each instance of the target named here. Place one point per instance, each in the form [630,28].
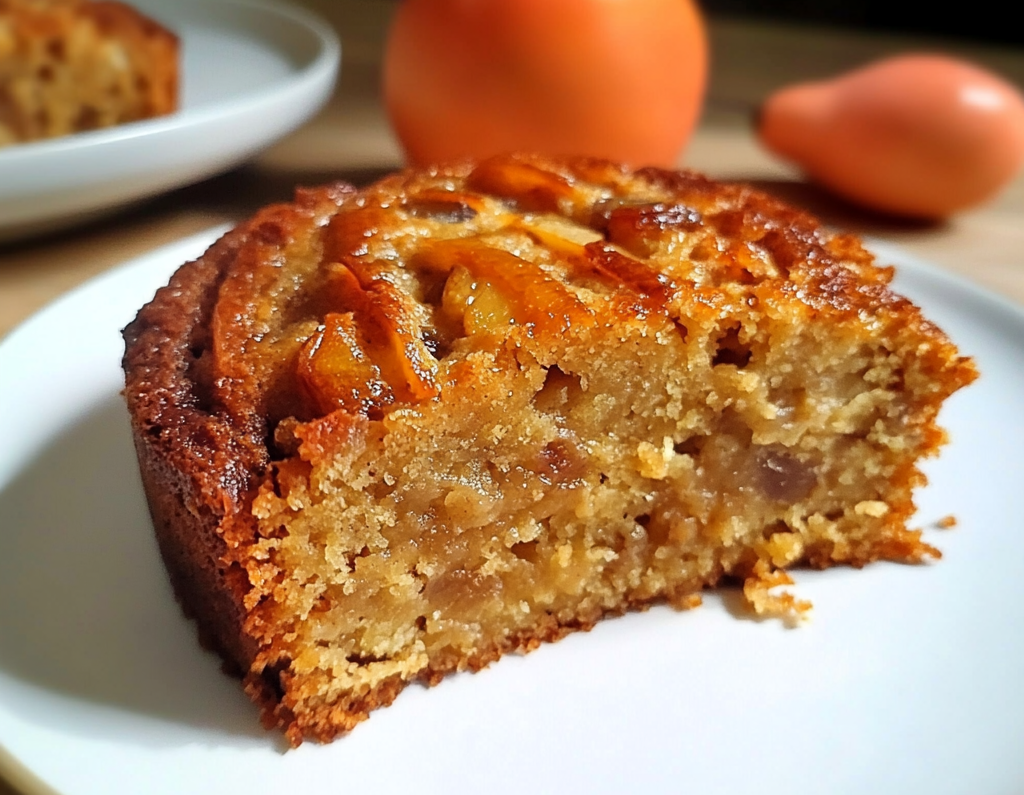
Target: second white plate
[252,72]
[906,680]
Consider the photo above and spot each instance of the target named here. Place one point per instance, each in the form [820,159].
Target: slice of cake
[392,433]
[69,66]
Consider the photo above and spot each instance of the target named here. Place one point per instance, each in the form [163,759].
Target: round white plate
[908,679]
[251,73]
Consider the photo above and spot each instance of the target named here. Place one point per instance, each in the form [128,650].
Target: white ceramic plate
[908,679]
[252,72]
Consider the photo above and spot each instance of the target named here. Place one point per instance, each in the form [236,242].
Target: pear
[915,135]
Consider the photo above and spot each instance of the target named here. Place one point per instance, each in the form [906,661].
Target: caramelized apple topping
[386,349]
[443,206]
[637,228]
[475,303]
[511,290]
[558,233]
[349,233]
[531,188]
[620,269]
[337,373]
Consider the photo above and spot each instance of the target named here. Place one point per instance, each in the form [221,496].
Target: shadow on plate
[86,609]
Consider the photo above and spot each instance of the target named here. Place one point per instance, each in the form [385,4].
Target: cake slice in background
[69,66]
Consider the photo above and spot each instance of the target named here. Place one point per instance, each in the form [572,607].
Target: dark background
[976,20]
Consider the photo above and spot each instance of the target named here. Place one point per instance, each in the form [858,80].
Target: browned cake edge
[192,485]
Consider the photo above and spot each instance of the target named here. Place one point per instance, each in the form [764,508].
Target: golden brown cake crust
[286,388]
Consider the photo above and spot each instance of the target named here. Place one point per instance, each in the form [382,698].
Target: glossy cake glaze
[395,432]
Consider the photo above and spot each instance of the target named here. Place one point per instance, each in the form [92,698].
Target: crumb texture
[398,432]
[70,66]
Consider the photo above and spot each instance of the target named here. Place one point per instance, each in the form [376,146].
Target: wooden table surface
[350,139]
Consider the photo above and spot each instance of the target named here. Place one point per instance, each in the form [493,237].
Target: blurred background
[986,20]
[757,46]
